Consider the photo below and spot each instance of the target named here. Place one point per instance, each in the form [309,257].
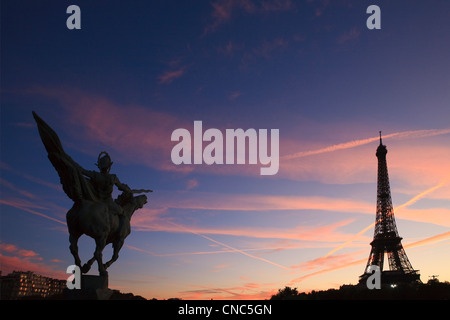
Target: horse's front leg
[87,266]
[116,246]
[98,255]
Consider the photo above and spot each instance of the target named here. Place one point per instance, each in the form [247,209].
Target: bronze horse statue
[94,219]
[94,212]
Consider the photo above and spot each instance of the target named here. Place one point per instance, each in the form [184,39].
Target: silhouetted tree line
[433,290]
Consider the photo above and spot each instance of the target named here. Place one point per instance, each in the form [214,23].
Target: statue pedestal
[92,288]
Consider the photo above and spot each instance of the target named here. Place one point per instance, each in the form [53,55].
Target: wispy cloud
[351,35]
[11,248]
[258,250]
[41,182]
[234,95]
[345,261]
[331,262]
[328,261]
[29,207]
[339,265]
[230,48]
[423,194]
[14,258]
[257,202]
[137,133]
[17,190]
[267,47]
[223,10]
[356,143]
[231,248]
[410,202]
[245,291]
[141,135]
[430,240]
[158,219]
[348,162]
[220,267]
[192,184]
[169,76]
[319,6]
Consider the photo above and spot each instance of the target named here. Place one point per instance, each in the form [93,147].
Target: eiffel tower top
[381,150]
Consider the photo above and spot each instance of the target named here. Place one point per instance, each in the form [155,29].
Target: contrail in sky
[411,201]
[357,143]
[437,238]
[229,247]
[18,205]
[422,194]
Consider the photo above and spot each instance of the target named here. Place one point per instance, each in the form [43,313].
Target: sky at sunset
[138,70]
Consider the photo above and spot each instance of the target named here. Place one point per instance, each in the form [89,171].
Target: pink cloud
[13,258]
[169,76]
[329,261]
[17,190]
[8,247]
[256,202]
[223,10]
[135,133]
[28,253]
[234,95]
[229,48]
[355,161]
[246,291]
[220,267]
[157,220]
[430,240]
[191,184]
[142,135]
[344,264]
[351,35]
[335,262]
[320,6]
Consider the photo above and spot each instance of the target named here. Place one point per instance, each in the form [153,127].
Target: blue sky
[138,70]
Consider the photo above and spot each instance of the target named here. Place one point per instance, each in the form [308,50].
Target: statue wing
[74,183]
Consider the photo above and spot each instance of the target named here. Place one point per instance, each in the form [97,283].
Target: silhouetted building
[386,239]
[20,284]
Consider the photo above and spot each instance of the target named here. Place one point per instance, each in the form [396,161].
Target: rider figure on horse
[103,182]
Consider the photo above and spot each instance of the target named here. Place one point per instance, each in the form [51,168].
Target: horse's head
[140,201]
[131,203]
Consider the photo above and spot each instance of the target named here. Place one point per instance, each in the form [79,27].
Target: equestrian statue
[94,211]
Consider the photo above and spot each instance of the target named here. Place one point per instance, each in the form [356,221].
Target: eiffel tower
[386,238]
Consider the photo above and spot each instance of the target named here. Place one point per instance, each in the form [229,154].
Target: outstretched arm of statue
[122,186]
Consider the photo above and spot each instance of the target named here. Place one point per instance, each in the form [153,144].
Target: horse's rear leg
[73,239]
[98,255]
[99,246]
